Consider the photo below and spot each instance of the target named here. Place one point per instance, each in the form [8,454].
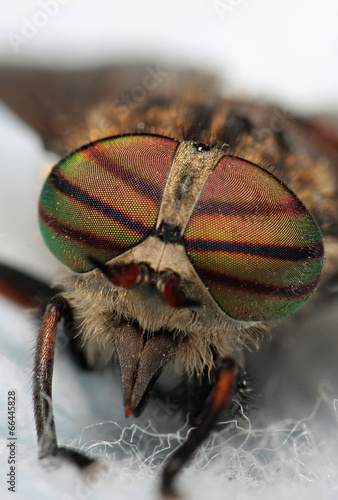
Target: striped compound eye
[254,245]
[104,198]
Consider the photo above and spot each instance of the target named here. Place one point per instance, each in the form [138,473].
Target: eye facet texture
[254,245]
[252,242]
[104,198]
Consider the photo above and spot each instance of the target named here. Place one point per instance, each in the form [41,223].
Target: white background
[286,52]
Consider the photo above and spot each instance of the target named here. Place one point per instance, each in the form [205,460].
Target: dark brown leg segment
[218,400]
[24,290]
[42,387]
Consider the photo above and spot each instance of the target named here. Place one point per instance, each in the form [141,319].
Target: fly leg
[42,387]
[218,400]
[24,290]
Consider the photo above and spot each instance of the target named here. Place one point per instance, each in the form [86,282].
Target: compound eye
[253,243]
[104,198]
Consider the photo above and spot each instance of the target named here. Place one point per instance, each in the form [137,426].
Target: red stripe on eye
[103,198]
[86,238]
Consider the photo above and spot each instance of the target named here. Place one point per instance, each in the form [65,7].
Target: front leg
[218,400]
[42,387]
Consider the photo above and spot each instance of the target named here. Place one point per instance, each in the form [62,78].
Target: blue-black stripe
[296,291]
[85,238]
[64,186]
[294,254]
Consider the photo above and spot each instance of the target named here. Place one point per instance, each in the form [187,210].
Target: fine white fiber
[255,457]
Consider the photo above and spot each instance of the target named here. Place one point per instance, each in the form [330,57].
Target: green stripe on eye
[104,198]
[254,245]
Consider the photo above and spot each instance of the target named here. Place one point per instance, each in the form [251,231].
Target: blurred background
[285,52]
